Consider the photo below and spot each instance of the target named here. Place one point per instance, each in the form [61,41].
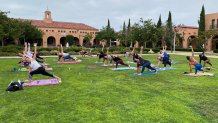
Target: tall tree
[159,33]
[159,23]
[169,32]
[129,34]
[123,35]
[108,24]
[201,22]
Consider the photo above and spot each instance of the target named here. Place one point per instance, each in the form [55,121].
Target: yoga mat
[131,62]
[143,74]
[42,82]
[70,62]
[106,65]
[200,74]
[98,62]
[124,68]
[166,68]
[25,69]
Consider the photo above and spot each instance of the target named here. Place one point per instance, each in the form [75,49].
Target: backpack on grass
[15,86]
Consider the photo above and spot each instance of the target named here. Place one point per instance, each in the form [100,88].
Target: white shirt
[65,54]
[34,65]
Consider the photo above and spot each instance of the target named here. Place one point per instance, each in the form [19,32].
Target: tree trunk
[145,45]
[2,42]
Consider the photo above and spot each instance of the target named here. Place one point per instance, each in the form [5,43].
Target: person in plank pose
[64,56]
[134,55]
[192,61]
[204,58]
[118,60]
[102,55]
[36,68]
[144,64]
[83,52]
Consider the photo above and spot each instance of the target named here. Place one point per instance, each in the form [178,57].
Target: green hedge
[215,51]
[14,50]
[189,49]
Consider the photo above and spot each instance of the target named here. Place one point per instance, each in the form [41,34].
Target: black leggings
[166,61]
[120,62]
[40,70]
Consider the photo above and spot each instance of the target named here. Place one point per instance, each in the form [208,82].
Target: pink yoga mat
[70,62]
[42,82]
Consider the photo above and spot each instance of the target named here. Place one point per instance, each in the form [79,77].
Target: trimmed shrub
[215,51]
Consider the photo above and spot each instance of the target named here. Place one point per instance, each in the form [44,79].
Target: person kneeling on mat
[36,68]
[144,64]
[118,60]
[192,61]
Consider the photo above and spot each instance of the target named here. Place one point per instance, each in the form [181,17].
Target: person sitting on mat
[64,56]
[36,68]
[118,60]
[144,64]
[192,61]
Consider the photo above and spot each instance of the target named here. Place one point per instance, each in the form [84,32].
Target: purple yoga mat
[42,82]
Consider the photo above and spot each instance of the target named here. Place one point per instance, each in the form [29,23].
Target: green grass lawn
[91,93]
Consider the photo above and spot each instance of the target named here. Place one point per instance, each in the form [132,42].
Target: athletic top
[101,55]
[203,57]
[34,65]
[65,54]
[142,62]
[192,61]
[29,54]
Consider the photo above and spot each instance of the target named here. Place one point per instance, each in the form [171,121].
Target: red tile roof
[189,27]
[65,25]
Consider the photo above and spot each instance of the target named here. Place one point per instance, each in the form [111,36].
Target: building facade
[189,33]
[54,33]
[211,23]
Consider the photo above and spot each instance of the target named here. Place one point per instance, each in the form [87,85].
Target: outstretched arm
[25,48]
[107,50]
[62,51]
[133,50]
[35,50]
[141,50]
[193,53]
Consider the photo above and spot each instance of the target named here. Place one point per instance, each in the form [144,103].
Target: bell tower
[47,17]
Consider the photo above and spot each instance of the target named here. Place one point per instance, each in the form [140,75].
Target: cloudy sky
[96,12]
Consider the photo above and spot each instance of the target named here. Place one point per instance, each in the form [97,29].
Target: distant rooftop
[64,25]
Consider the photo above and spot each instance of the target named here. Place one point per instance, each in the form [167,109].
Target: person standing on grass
[144,64]
[36,68]
[192,61]
[118,60]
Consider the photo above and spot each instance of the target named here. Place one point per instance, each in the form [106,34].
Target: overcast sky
[96,12]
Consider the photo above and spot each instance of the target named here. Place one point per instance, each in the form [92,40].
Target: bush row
[215,51]
[14,50]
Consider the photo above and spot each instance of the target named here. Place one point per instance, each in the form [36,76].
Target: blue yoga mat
[166,68]
[144,74]
[124,68]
